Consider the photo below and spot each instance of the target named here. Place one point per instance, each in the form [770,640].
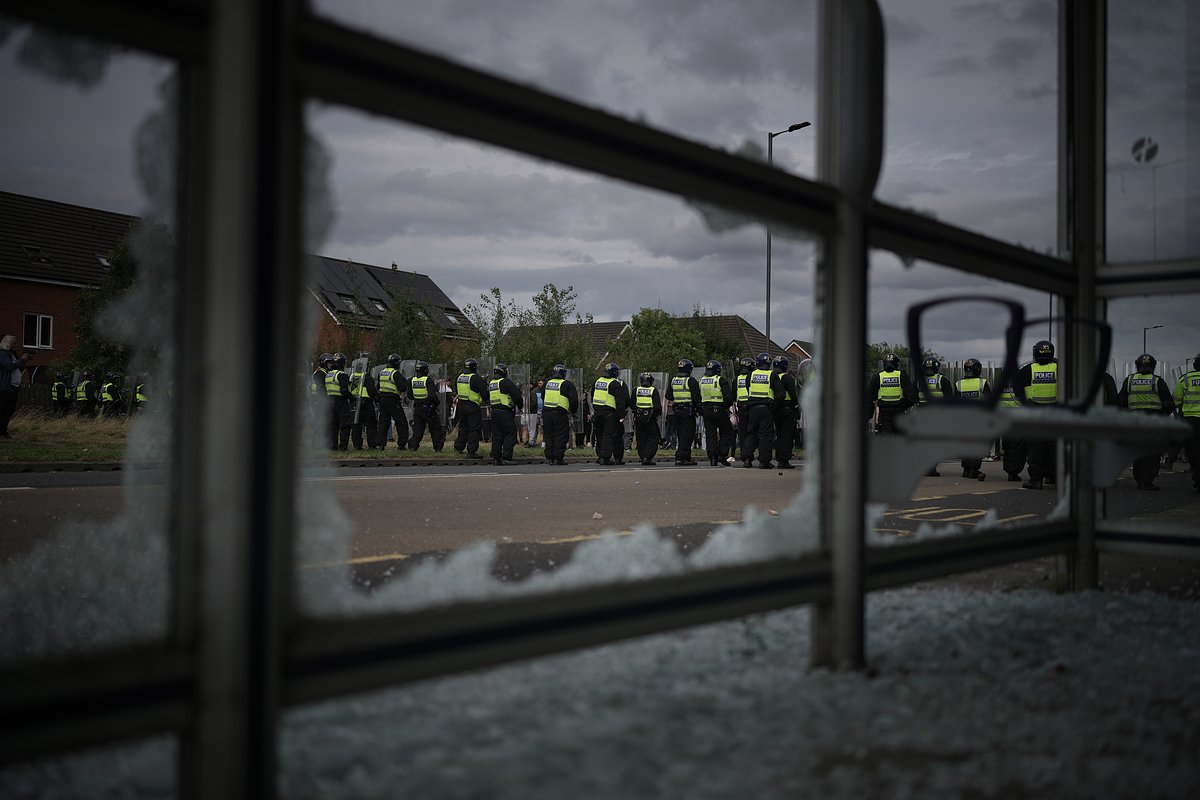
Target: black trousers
[1015,452]
[610,439]
[785,434]
[887,420]
[504,433]
[8,406]
[391,410]
[470,424]
[760,434]
[1042,459]
[972,465]
[718,430]
[366,421]
[339,423]
[685,430]
[557,424]
[427,416]
[85,408]
[1191,446]
[646,430]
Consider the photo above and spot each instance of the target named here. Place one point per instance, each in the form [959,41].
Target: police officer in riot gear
[1187,399]
[973,386]
[934,386]
[745,367]
[890,392]
[610,401]
[110,396]
[337,389]
[422,390]
[1147,393]
[504,396]
[786,414]
[766,395]
[60,393]
[471,389]
[716,395]
[393,388]
[362,408]
[647,407]
[685,395]
[85,395]
[560,403]
[1014,450]
[1037,385]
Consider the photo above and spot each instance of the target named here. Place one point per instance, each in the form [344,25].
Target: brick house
[48,252]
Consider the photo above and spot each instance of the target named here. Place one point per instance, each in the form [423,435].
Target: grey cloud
[1013,53]
[955,66]
[902,31]
[1041,14]
[1036,92]
[567,71]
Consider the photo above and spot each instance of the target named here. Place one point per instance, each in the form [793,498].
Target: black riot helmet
[611,370]
[421,368]
[891,362]
[646,379]
[339,360]
[1043,351]
[686,366]
[500,370]
[112,376]
[779,364]
[1196,362]
[62,376]
[326,360]
[762,361]
[972,368]
[559,370]
[746,364]
[472,365]
[88,375]
[713,367]
[1146,363]
[393,360]
[931,365]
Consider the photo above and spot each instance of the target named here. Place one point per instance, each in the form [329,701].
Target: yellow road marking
[934,497]
[1017,517]
[583,538]
[359,560]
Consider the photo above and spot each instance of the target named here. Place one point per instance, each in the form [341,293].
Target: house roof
[361,294]
[749,338]
[599,334]
[47,241]
[805,347]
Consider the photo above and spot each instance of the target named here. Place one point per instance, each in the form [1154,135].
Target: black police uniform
[423,391]
[766,395]
[337,389]
[609,421]
[556,420]
[685,393]
[785,420]
[1042,453]
[362,410]
[393,388]
[881,393]
[647,408]
[60,393]
[505,399]
[1148,394]
[718,430]
[468,416]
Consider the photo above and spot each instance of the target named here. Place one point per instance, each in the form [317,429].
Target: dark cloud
[903,31]
[1036,92]
[1013,53]
[954,66]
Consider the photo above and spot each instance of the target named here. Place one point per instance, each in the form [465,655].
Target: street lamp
[771,162]
[1150,328]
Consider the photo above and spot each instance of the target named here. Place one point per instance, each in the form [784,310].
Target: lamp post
[1150,328]
[771,162]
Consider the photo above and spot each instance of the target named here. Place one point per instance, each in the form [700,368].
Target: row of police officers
[89,398]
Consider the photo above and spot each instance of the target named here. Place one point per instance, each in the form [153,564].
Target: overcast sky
[971,118]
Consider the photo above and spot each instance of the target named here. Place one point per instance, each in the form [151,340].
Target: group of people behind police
[765,396]
[891,392]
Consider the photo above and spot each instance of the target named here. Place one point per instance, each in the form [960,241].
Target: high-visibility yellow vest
[140,394]
[1008,398]
[645,397]
[58,391]
[81,390]
[681,394]
[710,389]
[333,386]
[1187,394]
[601,395]
[106,392]
[387,381]
[318,379]
[420,387]
[890,390]
[787,393]
[1142,392]
[554,396]
[760,385]
[933,388]
[498,398]
[1043,386]
[743,388]
[358,386]
[971,388]
[465,392]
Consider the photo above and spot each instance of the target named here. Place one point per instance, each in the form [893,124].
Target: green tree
[493,317]
[655,341]
[549,332]
[718,341]
[93,350]
[407,330]
[876,351]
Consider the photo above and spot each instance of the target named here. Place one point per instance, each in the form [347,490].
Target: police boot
[1014,476]
[1146,486]
[966,472]
[712,462]
[1032,483]
[1050,479]
[979,475]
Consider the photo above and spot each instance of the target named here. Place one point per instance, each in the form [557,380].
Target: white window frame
[39,345]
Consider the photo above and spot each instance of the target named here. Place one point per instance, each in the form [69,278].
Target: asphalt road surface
[537,514]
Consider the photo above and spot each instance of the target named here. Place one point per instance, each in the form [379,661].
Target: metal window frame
[238,654]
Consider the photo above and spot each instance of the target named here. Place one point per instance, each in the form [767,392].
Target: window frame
[40,320]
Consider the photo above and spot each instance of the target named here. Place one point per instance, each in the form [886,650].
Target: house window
[351,303]
[39,331]
[35,254]
[380,306]
[453,319]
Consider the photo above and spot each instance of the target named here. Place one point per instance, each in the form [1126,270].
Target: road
[537,514]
